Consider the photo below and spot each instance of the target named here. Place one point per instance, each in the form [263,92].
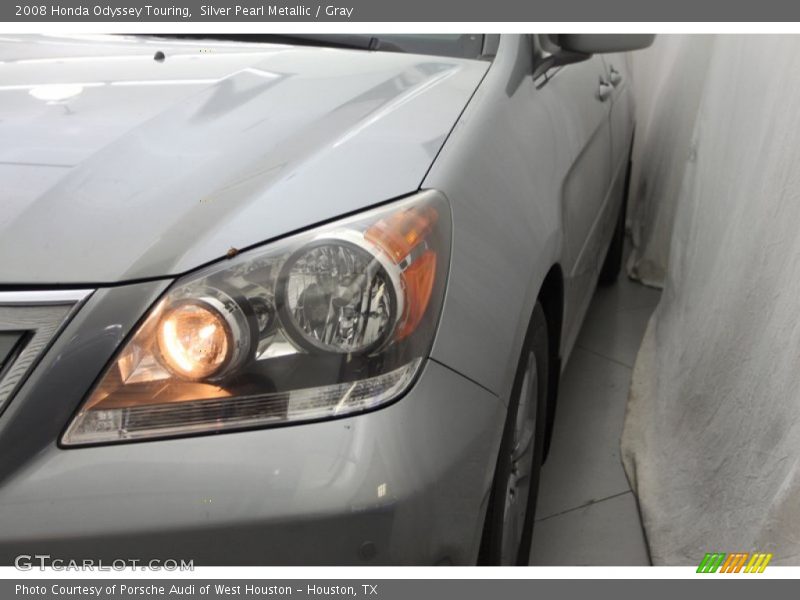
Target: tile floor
[587,514]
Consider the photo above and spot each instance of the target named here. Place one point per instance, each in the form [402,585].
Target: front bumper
[407,484]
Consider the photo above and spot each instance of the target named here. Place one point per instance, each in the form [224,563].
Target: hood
[117,166]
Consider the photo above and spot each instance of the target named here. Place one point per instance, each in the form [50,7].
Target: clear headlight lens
[329,322]
[336,297]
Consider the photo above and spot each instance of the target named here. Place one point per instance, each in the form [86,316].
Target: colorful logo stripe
[734,563]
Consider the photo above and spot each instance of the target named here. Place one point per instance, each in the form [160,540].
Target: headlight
[333,321]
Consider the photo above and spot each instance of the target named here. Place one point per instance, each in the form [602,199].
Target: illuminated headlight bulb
[194,340]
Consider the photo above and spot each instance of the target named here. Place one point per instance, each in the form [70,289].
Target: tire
[613,262]
[508,529]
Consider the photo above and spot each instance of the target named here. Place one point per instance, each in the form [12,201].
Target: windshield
[454,45]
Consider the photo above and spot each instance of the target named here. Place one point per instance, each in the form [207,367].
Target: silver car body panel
[534,173]
[160,167]
[528,171]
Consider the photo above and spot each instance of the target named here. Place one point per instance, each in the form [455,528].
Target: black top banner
[400,11]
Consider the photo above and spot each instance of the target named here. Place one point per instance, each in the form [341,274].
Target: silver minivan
[296,299]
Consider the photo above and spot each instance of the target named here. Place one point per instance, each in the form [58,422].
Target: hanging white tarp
[712,434]
[668,81]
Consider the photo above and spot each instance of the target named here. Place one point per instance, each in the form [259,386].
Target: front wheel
[508,529]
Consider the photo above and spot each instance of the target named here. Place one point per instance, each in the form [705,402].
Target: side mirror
[568,48]
[598,43]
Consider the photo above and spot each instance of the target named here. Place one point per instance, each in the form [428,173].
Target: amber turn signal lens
[194,341]
[419,279]
[402,236]
[401,232]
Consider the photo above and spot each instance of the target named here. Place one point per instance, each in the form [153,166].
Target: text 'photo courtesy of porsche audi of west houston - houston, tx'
[296,299]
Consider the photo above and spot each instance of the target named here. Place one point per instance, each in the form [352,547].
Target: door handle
[604,91]
[615,77]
